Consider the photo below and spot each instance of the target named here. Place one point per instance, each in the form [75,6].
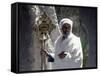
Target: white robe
[72,47]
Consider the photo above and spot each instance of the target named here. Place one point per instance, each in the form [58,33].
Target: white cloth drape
[73,49]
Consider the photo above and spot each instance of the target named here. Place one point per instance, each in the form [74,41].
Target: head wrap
[66,20]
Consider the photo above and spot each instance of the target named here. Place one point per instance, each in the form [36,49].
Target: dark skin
[62,55]
[43,52]
[65,29]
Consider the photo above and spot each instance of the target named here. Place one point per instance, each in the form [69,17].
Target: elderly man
[68,49]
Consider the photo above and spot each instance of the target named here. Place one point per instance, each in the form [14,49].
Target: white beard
[65,35]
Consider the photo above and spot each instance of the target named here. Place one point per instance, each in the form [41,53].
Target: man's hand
[43,52]
[62,55]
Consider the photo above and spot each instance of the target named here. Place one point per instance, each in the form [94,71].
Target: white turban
[66,20]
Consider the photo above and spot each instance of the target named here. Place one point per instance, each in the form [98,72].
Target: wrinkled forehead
[66,25]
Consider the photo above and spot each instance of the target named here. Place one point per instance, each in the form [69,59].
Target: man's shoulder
[76,39]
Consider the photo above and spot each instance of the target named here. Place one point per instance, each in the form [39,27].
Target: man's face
[65,29]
